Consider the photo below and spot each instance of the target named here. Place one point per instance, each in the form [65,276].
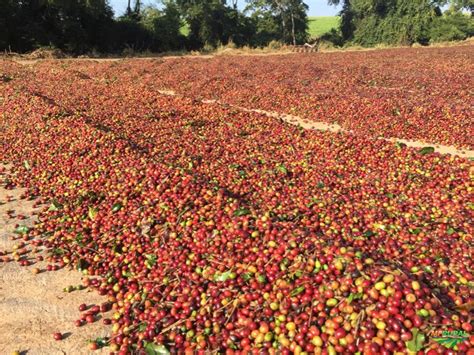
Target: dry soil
[33,307]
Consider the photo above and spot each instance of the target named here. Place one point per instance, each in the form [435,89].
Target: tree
[453,25]
[74,26]
[290,17]
[8,22]
[164,27]
[295,10]
[368,22]
[458,5]
[265,28]
[213,22]
[135,13]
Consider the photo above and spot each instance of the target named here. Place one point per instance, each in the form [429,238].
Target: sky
[316,7]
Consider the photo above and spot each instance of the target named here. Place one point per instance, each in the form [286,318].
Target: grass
[319,25]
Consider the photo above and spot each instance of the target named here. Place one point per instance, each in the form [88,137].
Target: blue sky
[316,7]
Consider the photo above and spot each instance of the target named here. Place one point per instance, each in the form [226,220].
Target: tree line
[370,22]
[82,26]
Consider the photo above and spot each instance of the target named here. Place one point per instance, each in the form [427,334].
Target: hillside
[319,25]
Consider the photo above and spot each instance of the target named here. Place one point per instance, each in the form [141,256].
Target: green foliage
[224,276]
[155,349]
[297,291]
[459,5]
[426,150]
[334,37]
[213,23]
[150,260]
[162,28]
[75,26]
[395,22]
[266,28]
[452,26]
[242,211]
[83,26]
[283,20]
[417,342]
[392,22]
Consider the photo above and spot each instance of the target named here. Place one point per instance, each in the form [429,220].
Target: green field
[319,25]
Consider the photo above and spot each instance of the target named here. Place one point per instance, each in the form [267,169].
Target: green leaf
[368,234]
[164,207]
[79,238]
[92,212]
[451,230]
[246,276]
[261,278]
[426,150]
[242,174]
[428,269]
[150,260]
[354,296]
[21,230]
[155,349]
[101,342]
[282,169]
[116,207]
[223,276]
[415,231]
[390,195]
[313,202]
[297,291]
[417,342]
[241,212]
[58,251]
[400,145]
[55,206]
[142,327]
[320,185]
[27,165]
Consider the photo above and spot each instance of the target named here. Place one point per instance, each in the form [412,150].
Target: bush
[208,48]
[333,37]
[451,27]
[274,45]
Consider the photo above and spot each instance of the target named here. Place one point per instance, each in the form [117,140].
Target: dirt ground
[33,307]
